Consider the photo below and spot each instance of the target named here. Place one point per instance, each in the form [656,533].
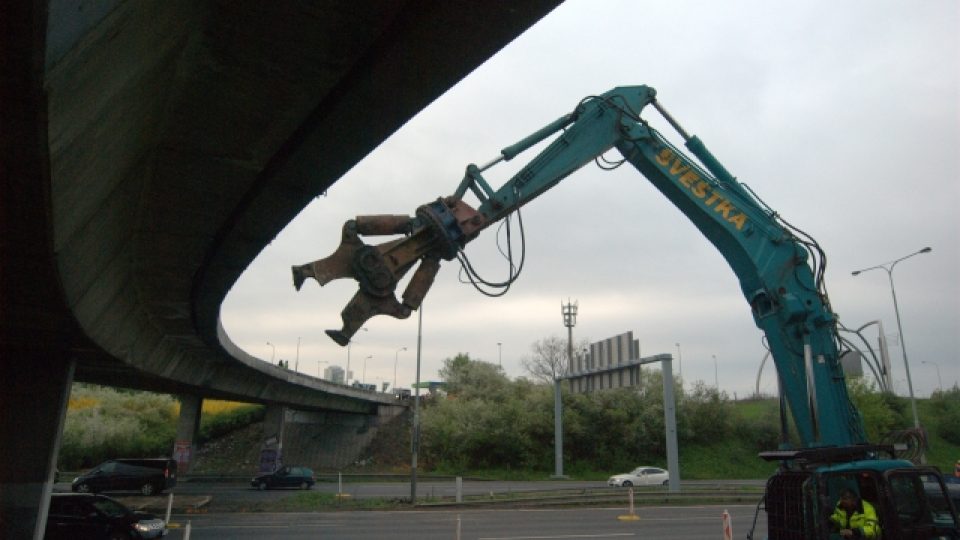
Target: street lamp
[274,353]
[716,374]
[346,377]
[939,380]
[896,309]
[296,363]
[396,355]
[679,364]
[364,379]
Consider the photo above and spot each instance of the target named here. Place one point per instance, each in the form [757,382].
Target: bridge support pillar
[333,440]
[187,428]
[271,451]
[34,404]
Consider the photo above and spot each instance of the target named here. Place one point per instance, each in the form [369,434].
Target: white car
[641,476]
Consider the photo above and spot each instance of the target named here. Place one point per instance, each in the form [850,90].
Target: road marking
[610,535]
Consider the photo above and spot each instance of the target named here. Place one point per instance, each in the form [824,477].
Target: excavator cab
[911,502]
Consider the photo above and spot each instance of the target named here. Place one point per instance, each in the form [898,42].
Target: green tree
[467,378]
[705,415]
[946,407]
[879,418]
[550,358]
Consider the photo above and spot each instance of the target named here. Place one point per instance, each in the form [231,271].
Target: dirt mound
[235,453]
[389,451]
[239,452]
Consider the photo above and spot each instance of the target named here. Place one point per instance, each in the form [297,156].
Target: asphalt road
[231,492]
[654,523]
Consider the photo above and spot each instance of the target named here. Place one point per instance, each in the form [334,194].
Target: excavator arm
[770,258]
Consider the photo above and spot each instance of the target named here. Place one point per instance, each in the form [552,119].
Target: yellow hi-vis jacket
[862,521]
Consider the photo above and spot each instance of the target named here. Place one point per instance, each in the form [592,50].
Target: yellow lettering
[700,190]
[679,167]
[664,156]
[739,220]
[724,208]
[689,178]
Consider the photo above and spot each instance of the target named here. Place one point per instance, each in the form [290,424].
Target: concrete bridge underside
[151,148]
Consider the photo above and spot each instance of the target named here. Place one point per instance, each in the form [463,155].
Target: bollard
[459,489]
[169,508]
[340,493]
[727,525]
[186,532]
[632,516]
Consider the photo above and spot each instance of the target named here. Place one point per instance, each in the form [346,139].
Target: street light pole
[274,353]
[939,380]
[396,355]
[679,363]
[364,379]
[346,376]
[888,267]
[500,355]
[716,374]
[415,443]
[296,363]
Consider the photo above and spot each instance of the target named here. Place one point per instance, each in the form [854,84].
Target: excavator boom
[780,270]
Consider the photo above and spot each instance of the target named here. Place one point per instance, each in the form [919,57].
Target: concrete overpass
[151,148]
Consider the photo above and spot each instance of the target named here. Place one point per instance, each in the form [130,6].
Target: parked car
[85,516]
[295,477]
[641,476]
[148,476]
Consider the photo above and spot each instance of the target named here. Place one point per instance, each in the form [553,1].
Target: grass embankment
[104,423]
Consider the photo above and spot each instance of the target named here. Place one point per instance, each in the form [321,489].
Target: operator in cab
[855,517]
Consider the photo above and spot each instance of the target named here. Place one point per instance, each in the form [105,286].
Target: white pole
[415,443]
[169,507]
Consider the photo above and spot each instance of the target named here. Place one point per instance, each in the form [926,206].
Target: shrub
[104,423]
[230,419]
[946,407]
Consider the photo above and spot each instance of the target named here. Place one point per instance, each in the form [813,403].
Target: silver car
[641,476]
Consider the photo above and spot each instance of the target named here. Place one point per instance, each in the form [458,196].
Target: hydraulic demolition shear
[439,230]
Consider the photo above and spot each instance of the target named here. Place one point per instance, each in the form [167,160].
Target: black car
[148,476]
[295,477]
[85,516]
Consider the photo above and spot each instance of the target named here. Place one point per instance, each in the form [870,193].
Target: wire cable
[473,277]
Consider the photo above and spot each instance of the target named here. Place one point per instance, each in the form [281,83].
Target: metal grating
[785,508]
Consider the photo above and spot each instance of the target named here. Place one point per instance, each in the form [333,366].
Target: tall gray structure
[611,363]
[335,374]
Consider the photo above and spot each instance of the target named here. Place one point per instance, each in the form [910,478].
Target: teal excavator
[781,274]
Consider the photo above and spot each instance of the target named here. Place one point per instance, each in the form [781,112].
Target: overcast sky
[842,116]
